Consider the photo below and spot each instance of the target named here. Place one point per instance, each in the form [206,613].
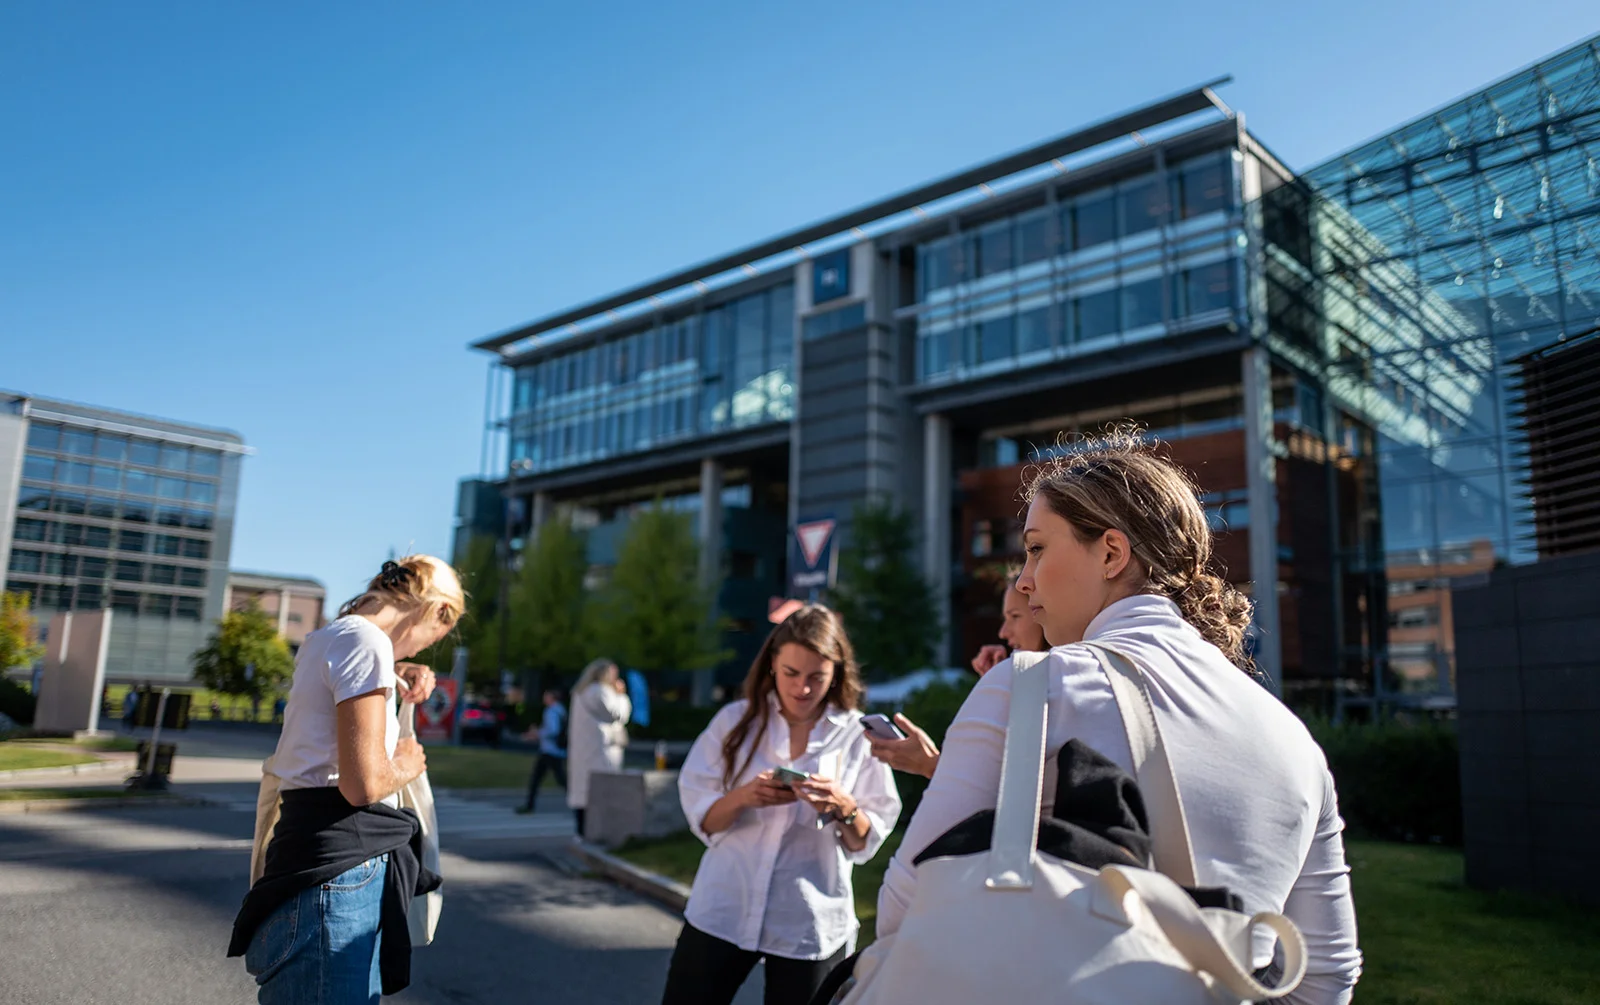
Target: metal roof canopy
[1165,110]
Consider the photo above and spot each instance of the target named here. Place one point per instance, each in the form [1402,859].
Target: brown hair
[416,580]
[819,630]
[1117,481]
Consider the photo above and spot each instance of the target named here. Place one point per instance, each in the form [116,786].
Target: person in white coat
[597,733]
[1117,553]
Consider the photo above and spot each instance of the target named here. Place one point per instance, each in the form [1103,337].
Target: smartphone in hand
[882,727]
[789,776]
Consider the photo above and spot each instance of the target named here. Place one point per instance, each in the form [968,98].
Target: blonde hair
[1117,481]
[593,672]
[412,582]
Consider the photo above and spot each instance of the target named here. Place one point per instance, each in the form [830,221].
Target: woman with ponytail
[1118,552]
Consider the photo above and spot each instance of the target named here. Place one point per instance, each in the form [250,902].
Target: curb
[57,805]
[69,769]
[625,874]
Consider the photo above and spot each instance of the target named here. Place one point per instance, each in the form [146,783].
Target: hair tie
[393,575]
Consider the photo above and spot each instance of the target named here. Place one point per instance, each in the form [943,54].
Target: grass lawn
[103,744]
[18,756]
[1428,939]
[479,768]
[18,795]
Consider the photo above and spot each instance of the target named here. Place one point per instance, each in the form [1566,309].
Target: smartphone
[789,776]
[882,727]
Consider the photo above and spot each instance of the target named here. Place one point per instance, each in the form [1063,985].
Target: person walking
[1118,552]
[552,757]
[917,753]
[597,736]
[784,792]
[326,919]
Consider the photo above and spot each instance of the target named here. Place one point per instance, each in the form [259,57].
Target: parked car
[480,721]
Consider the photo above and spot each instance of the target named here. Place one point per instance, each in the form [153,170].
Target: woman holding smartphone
[784,791]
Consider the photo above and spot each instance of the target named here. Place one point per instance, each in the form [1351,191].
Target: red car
[481,721]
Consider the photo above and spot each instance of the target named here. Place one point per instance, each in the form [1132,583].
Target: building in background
[295,603]
[1327,353]
[102,509]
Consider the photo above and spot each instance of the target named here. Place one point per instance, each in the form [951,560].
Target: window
[187,608]
[77,441]
[295,618]
[164,575]
[129,572]
[89,596]
[73,473]
[982,539]
[190,576]
[1035,238]
[172,488]
[132,540]
[111,448]
[830,276]
[166,544]
[1208,288]
[837,320]
[995,339]
[33,500]
[1094,221]
[144,452]
[935,353]
[206,462]
[1141,304]
[174,458]
[1414,617]
[1033,329]
[168,516]
[1202,186]
[60,565]
[97,537]
[26,561]
[93,568]
[135,512]
[139,483]
[30,530]
[44,437]
[1143,205]
[105,477]
[198,519]
[71,503]
[125,600]
[69,534]
[196,548]
[157,605]
[1095,315]
[38,468]
[103,507]
[994,248]
[935,270]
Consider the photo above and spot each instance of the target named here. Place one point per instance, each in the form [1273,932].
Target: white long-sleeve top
[775,882]
[597,736]
[1263,817]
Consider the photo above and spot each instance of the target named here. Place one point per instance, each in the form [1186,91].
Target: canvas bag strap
[1016,815]
[1169,828]
[408,720]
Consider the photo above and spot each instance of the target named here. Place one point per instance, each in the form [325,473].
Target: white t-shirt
[1262,814]
[346,659]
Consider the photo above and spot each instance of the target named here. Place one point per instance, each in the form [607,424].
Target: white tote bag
[1016,925]
[418,796]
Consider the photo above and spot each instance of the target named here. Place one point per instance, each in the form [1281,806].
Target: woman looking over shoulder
[785,793]
[1118,548]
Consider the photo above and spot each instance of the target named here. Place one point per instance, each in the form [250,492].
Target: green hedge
[673,721]
[16,702]
[1398,781]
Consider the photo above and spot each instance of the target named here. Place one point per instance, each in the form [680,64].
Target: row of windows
[50,563]
[78,535]
[1195,188]
[105,477]
[1082,319]
[123,449]
[41,500]
[93,596]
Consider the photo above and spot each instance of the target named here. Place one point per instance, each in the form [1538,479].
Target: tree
[654,613]
[478,568]
[548,630]
[19,635]
[246,655]
[888,607]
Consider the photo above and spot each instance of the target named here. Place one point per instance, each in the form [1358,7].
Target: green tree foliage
[548,629]
[19,635]
[246,655]
[887,606]
[654,614]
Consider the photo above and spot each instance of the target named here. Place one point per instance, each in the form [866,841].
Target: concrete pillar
[936,479]
[541,510]
[283,612]
[710,557]
[1260,455]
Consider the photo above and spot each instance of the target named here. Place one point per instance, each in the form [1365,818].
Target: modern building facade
[102,509]
[295,603]
[1296,343]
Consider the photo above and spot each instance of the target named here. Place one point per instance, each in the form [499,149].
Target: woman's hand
[917,754]
[988,657]
[410,760]
[829,797]
[764,790]
[416,682]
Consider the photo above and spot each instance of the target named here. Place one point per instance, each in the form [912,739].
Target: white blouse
[775,882]
[1263,817]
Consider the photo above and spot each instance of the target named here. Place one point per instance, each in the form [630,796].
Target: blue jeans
[321,947]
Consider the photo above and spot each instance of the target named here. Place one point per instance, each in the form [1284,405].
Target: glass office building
[106,510]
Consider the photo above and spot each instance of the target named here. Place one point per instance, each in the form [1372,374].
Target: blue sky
[290,219]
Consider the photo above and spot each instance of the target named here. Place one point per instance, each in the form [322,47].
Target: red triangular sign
[813,538]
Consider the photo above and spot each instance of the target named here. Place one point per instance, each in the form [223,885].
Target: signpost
[817,564]
[436,716]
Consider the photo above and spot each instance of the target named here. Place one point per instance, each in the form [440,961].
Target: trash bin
[153,777]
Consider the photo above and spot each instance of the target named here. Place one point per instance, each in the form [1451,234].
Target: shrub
[17,702]
[673,721]
[1398,781]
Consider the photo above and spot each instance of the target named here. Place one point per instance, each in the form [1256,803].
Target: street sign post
[436,717]
[815,560]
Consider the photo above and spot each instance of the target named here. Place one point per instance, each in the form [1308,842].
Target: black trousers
[708,971]
[546,764]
